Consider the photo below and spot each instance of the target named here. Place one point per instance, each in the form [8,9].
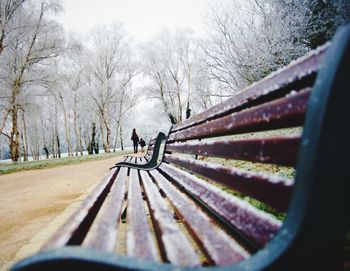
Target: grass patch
[6,168]
[270,169]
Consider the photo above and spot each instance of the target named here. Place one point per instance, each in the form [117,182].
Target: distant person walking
[142,144]
[135,140]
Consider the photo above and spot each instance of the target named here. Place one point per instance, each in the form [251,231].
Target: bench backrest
[151,159]
[148,155]
[205,144]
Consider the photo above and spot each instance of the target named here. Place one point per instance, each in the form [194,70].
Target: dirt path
[32,200]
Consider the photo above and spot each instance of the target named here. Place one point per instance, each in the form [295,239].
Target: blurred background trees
[65,93]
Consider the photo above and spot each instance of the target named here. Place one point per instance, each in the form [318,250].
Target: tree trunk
[179,104]
[14,138]
[58,145]
[108,138]
[102,134]
[105,142]
[77,140]
[25,139]
[66,129]
[34,149]
[121,138]
[46,150]
[80,142]
[53,146]
[56,136]
[92,143]
[116,137]
[75,126]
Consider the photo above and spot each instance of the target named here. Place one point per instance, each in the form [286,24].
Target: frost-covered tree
[8,11]
[111,70]
[320,19]
[169,62]
[250,39]
[31,45]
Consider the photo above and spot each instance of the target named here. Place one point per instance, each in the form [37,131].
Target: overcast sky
[142,18]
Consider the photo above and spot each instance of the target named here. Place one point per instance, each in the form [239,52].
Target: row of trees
[56,87]
[246,41]
[64,93]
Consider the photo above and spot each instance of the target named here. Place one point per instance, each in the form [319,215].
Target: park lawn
[6,168]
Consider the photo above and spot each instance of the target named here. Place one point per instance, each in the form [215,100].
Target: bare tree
[35,42]
[8,10]
[250,39]
[110,74]
[169,62]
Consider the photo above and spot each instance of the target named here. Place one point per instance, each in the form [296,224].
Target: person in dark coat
[135,140]
[142,144]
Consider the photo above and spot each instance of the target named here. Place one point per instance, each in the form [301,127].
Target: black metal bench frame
[319,205]
[154,156]
[150,145]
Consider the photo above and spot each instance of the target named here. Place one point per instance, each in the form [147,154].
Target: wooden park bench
[198,210]
[150,159]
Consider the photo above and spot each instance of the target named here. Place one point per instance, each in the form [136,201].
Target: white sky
[142,18]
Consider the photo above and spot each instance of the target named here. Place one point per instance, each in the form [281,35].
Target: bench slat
[103,232]
[272,86]
[272,190]
[74,230]
[278,150]
[174,245]
[240,214]
[140,241]
[220,248]
[282,113]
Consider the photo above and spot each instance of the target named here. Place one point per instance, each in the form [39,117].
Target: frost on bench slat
[76,227]
[276,150]
[103,232]
[281,113]
[272,190]
[140,242]
[174,245]
[217,245]
[251,223]
[295,74]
